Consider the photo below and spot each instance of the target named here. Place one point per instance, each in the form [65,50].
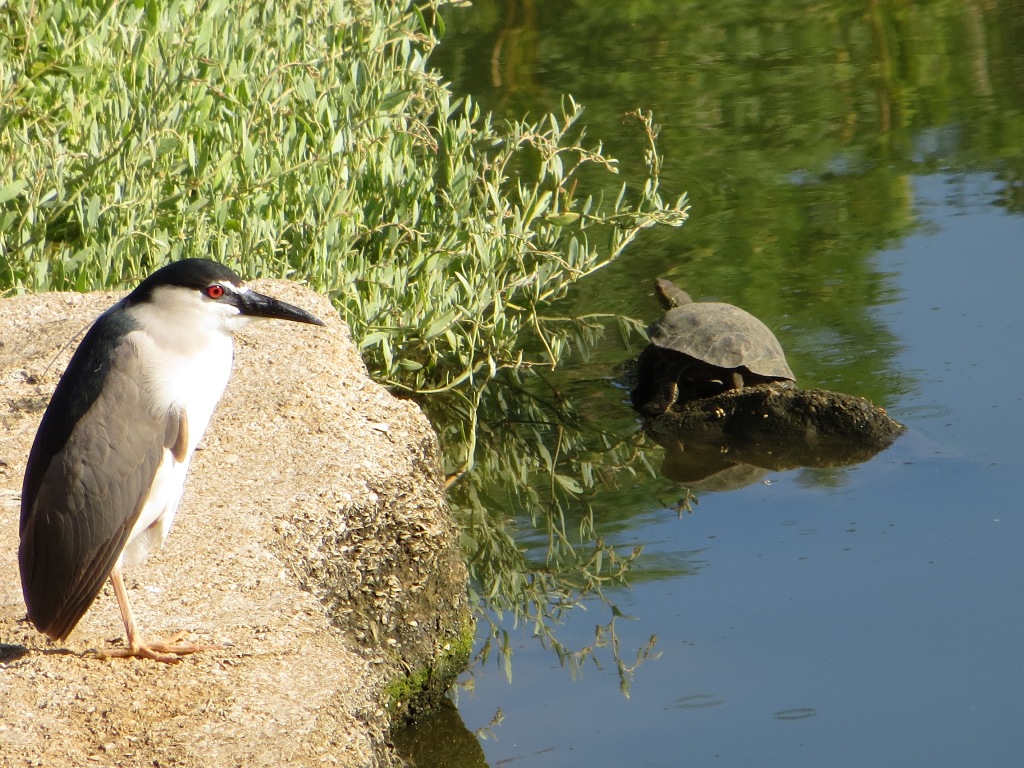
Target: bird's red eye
[215,291]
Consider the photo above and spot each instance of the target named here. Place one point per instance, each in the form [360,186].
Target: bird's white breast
[192,380]
[186,366]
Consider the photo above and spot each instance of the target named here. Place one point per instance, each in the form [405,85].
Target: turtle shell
[723,336]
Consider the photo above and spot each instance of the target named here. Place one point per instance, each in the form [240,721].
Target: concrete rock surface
[313,542]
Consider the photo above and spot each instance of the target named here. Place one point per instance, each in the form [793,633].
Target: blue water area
[873,619]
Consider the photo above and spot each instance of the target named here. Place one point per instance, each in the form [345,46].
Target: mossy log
[773,427]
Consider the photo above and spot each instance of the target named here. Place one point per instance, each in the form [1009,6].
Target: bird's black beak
[252,304]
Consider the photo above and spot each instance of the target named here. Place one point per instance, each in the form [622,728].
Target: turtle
[701,349]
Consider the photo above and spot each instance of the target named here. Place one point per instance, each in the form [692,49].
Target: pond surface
[856,183]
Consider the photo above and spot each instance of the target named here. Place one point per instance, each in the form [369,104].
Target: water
[865,616]
[876,622]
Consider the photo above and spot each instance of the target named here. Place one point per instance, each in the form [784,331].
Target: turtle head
[670,295]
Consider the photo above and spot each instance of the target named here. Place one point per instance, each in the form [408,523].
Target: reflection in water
[515,50]
[799,713]
[797,136]
[708,470]
[439,740]
[749,103]
[698,701]
[547,462]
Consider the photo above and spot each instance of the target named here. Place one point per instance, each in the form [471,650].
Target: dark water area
[857,182]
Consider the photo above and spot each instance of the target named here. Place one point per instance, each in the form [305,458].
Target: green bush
[296,138]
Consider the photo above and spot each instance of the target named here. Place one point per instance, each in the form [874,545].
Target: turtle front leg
[665,396]
[734,380]
[657,388]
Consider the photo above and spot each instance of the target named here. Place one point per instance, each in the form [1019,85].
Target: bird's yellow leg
[169,652]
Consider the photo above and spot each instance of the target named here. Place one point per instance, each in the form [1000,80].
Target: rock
[313,541]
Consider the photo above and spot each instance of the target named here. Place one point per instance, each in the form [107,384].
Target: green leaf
[12,190]
[570,484]
[563,219]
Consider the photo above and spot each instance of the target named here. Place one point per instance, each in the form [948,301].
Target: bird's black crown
[187,273]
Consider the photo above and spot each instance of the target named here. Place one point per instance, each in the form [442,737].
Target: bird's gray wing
[89,495]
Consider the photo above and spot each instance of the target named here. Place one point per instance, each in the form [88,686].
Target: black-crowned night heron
[108,464]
